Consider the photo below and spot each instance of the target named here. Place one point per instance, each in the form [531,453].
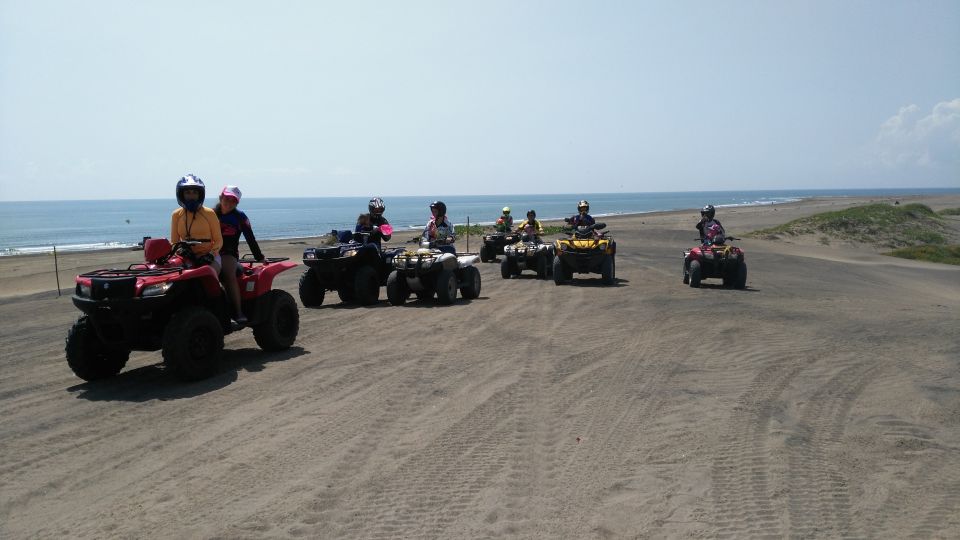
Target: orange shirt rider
[193,221]
[200,225]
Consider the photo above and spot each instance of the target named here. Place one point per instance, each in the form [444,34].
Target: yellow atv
[587,250]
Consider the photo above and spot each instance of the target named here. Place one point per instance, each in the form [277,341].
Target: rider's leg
[229,278]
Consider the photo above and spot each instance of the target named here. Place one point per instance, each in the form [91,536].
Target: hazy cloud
[911,138]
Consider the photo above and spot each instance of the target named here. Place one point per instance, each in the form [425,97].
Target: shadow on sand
[153,383]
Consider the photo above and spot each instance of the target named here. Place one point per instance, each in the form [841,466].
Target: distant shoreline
[111,247]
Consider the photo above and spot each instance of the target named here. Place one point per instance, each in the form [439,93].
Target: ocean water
[36,227]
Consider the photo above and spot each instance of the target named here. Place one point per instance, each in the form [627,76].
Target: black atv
[494,243]
[354,266]
[528,254]
[428,271]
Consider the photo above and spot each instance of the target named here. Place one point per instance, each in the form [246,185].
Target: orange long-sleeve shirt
[200,225]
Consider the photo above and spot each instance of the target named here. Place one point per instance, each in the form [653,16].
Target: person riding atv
[505,221]
[531,228]
[193,220]
[711,231]
[583,217]
[379,226]
[439,232]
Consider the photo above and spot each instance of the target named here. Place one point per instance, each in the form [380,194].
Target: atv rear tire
[88,357]
[741,282]
[193,344]
[397,290]
[694,273]
[446,287]
[607,270]
[471,283]
[686,274]
[280,321]
[505,267]
[366,286]
[311,291]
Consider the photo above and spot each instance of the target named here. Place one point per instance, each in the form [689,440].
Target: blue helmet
[190,181]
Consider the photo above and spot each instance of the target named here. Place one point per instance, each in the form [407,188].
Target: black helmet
[376,206]
[190,181]
[531,213]
[708,211]
[441,208]
[583,204]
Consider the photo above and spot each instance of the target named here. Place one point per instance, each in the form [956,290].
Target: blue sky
[117,99]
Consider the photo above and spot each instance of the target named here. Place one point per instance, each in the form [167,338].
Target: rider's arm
[539,227]
[428,231]
[386,237]
[174,232]
[451,231]
[249,237]
[213,223]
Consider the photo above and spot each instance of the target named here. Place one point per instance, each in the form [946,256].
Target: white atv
[429,270]
[528,254]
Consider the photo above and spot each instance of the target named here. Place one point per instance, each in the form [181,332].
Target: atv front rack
[133,272]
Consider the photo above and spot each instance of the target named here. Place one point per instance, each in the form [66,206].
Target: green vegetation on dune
[878,224]
[939,254]
[950,212]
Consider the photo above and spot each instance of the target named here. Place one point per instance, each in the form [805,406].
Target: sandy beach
[823,401]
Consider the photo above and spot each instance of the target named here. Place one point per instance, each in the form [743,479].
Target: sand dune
[823,401]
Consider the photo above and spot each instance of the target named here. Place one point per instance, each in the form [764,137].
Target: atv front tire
[471,285]
[397,290]
[694,273]
[485,253]
[311,291]
[607,270]
[559,273]
[446,287]
[193,344]
[505,267]
[741,282]
[542,268]
[366,286]
[88,357]
[281,321]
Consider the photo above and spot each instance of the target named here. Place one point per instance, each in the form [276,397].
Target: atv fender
[464,261]
[257,284]
[206,276]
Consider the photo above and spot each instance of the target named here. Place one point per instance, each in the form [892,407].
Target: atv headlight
[426,263]
[310,255]
[83,290]
[156,289]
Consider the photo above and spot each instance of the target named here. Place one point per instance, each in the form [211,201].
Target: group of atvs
[586,249]
[171,303]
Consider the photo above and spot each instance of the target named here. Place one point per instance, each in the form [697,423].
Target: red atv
[173,303]
[715,261]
